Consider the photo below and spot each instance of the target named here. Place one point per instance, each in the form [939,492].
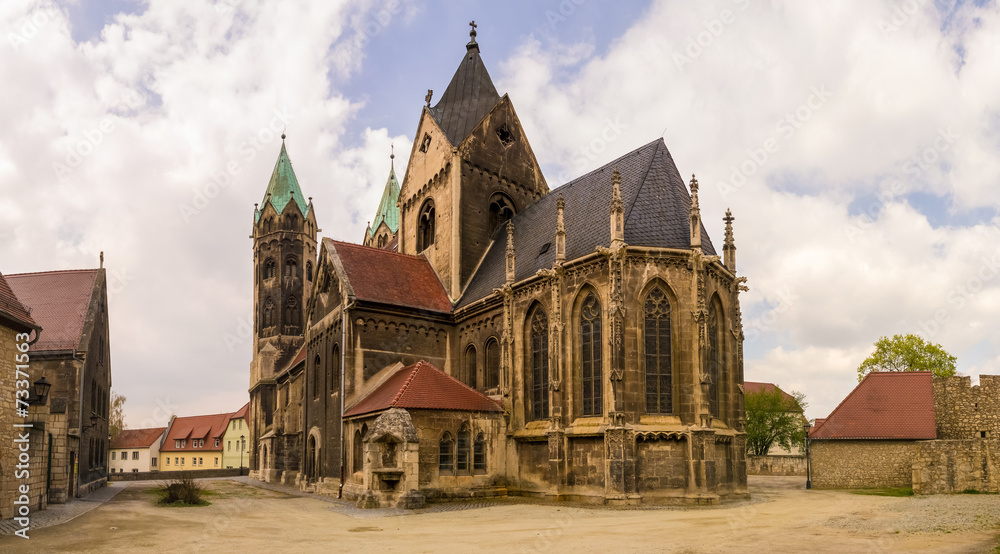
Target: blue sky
[856,143]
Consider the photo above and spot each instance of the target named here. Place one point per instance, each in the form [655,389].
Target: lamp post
[808,465]
[241,453]
[40,392]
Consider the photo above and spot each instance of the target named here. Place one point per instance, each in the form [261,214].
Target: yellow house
[235,452]
[194,442]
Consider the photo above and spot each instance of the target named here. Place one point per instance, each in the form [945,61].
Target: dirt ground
[782,517]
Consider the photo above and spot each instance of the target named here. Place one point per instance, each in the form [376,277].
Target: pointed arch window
[713,362]
[538,344]
[357,463]
[309,271]
[291,266]
[270,269]
[316,376]
[292,317]
[501,209]
[335,369]
[492,374]
[446,453]
[381,241]
[590,356]
[267,320]
[479,454]
[463,452]
[425,226]
[656,352]
[469,369]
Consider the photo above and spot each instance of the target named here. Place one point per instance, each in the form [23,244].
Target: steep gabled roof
[283,187]
[423,386]
[206,427]
[59,302]
[11,309]
[242,412]
[137,438]
[469,97]
[888,405]
[387,209]
[390,278]
[657,206]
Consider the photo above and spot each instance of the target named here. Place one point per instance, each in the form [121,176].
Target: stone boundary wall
[776,465]
[173,475]
[862,464]
[966,412]
[949,466]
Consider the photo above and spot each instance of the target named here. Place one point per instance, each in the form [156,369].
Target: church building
[494,337]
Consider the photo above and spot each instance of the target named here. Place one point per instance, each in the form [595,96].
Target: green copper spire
[387,209]
[284,187]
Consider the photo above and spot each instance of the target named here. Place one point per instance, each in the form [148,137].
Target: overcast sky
[856,143]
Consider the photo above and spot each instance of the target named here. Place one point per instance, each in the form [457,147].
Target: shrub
[183,491]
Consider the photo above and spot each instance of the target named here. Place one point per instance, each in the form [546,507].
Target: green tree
[908,353]
[774,419]
[116,423]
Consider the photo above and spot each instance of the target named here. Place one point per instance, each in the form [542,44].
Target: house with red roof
[910,429]
[235,452]
[73,353]
[137,450]
[751,387]
[194,442]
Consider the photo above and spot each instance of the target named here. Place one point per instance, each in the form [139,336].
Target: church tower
[381,232]
[284,256]
[470,170]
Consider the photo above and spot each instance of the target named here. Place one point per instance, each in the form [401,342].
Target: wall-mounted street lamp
[40,392]
[93,423]
[807,426]
[241,454]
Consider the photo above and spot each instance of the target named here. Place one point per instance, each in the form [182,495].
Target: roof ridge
[642,182]
[374,249]
[858,387]
[53,272]
[406,384]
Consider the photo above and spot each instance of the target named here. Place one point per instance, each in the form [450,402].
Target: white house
[135,450]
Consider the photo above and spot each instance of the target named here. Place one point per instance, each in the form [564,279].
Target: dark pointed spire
[470,95]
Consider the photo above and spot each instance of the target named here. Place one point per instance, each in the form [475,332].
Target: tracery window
[713,360]
[590,356]
[492,373]
[479,453]
[269,268]
[425,226]
[291,266]
[656,352]
[292,312]
[501,209]
[446,453]
[469,371]
[539,359]
[268,319]
[463,453]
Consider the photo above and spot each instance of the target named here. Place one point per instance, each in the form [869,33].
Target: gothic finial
[282,135]
[617,208]
[430,94]
[510,252]
[102,258]
[560,230]
[695,215]
[729,248]
[310,199]
[472,41]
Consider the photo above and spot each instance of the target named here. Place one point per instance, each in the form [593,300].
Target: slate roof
[469,97]
[423,386]
[12,309]
[887,405]
[206,427]
[391,278]
[283,187]
[59,302]
[657,205]
[137,438]
[387,209]
[753,386]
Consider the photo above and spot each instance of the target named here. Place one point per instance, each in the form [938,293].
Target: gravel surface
[939,513]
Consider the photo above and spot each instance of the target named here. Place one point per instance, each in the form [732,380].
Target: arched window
[316,380]
[335,369]
[291,222]
[492,374]
[501,209]
[446,453]
[713,360]
[425,226]
[469,369]
[268,316]
[358,451]
[463,454]
[539,357]
[292,312]
[656,352]
[590,356]
[479,454]
[269,268]
[381,241]
[291,266]
[309,271]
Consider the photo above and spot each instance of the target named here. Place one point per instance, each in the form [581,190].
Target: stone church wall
[586,464]
[662,465]
[949,466]
[862,464]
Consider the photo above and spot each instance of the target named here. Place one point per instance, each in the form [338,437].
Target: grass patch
[180,493]
[900,491]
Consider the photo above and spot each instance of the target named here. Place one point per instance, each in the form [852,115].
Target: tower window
[316,370]
[505,136]
[501,209]
[292,317]
[425,226]
[291,266]
[269,268]
[425,144]
[309,271]
[656,352]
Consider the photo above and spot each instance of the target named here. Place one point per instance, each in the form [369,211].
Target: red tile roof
[888,405]
[423,386]
[59,302]
[242,412]
[753,386]
[11,308]
[137,438]
[206,427]
[391,278]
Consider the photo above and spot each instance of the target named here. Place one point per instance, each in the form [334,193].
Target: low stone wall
[862,464]
[776,465]
[172,475]
[948,466]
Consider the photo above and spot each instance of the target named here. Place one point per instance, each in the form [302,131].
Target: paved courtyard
[781,517]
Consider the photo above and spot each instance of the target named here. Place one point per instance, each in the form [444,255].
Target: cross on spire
[472,33]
